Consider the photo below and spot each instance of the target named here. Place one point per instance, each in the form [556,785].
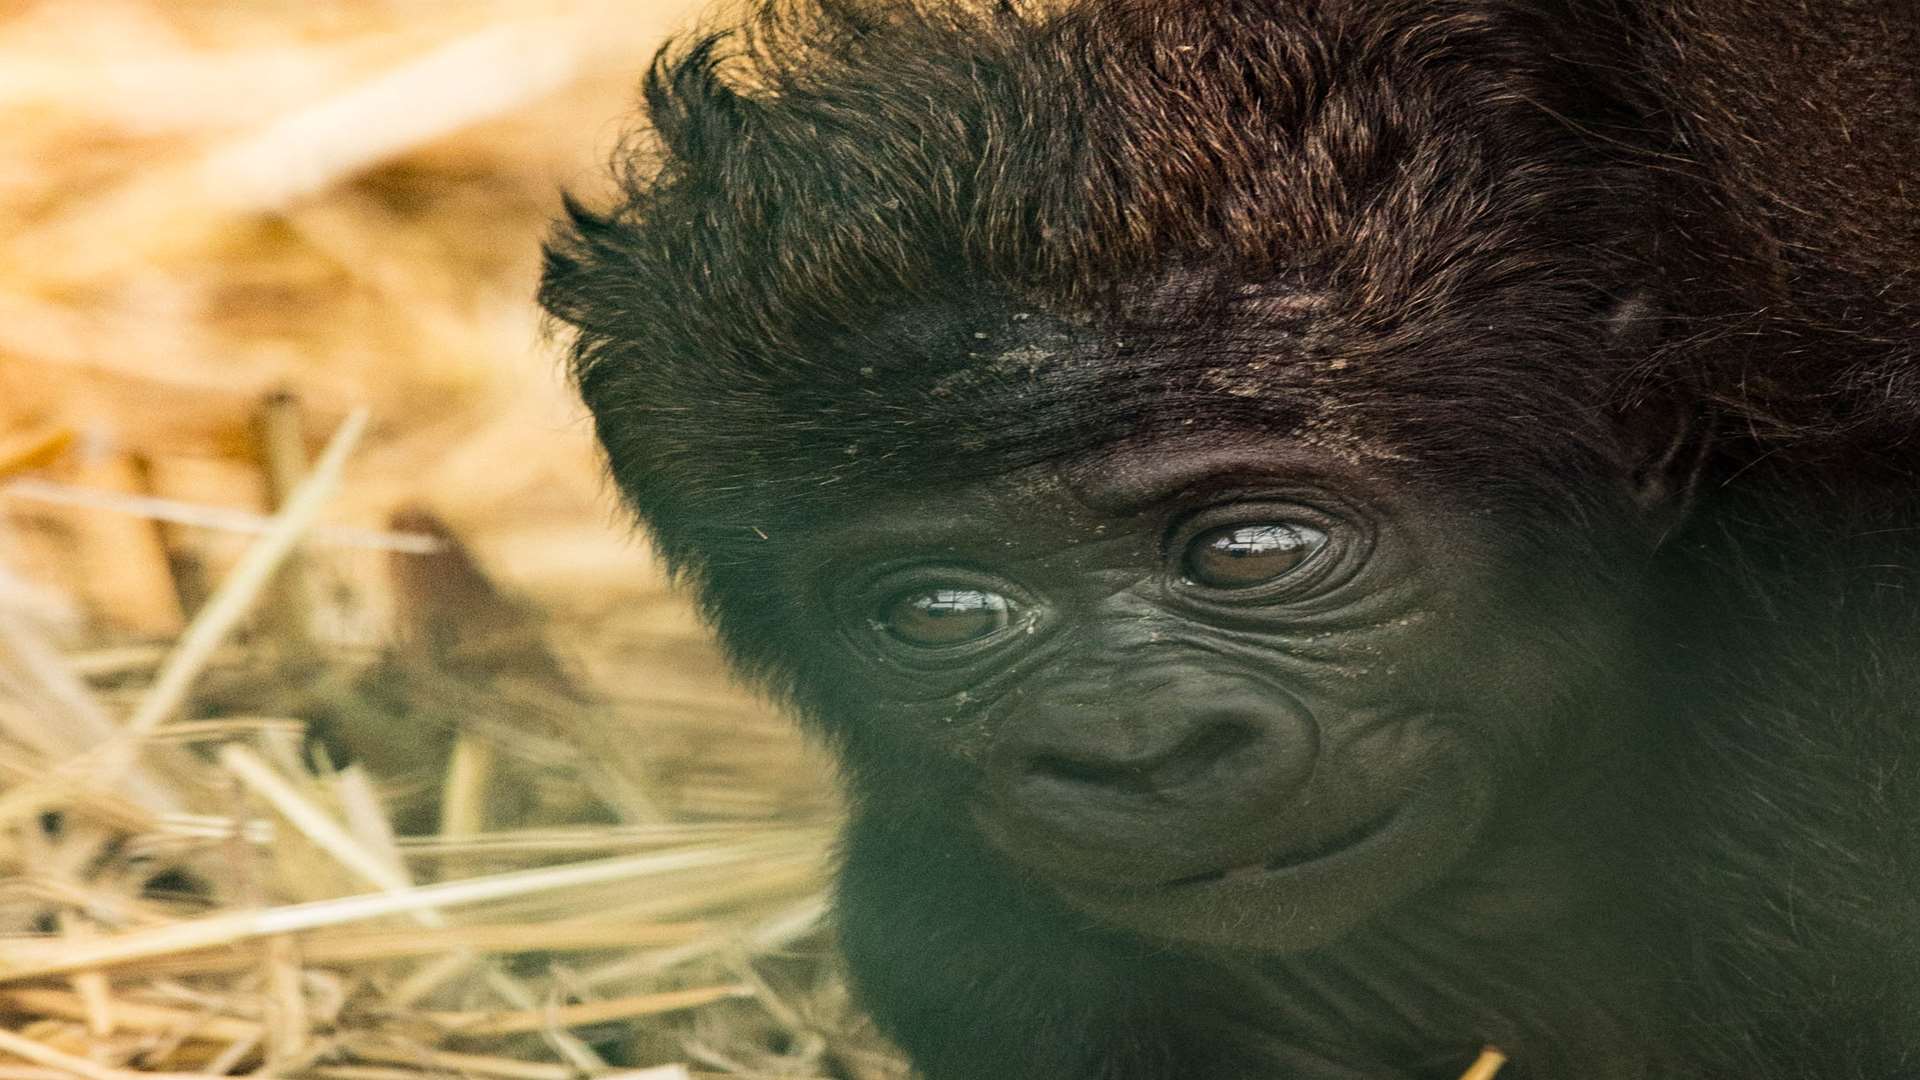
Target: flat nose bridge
[1125,622]
[1117,722]
[1160,732]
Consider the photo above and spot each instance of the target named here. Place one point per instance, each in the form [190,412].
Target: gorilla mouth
[1304,895]
[1326,849]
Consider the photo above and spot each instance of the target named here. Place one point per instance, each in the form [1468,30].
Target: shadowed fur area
[1325,535]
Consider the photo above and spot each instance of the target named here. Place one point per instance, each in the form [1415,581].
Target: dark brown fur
[868,248]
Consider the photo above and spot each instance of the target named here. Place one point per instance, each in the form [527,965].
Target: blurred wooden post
[281,433]
[463,801]
[123,559]
[184,566]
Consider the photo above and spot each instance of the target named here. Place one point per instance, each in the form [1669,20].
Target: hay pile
[343,732]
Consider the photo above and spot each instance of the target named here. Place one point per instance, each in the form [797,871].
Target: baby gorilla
[1326,535]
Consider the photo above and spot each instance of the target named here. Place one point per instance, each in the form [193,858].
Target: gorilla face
[1215,688]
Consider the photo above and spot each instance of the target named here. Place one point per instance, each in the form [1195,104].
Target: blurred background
[345,729]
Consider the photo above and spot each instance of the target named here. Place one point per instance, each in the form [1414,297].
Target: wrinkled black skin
[1585,329]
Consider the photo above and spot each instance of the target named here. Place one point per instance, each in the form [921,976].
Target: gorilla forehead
[978,381]
[1183,335]
[935,392]
[949,389]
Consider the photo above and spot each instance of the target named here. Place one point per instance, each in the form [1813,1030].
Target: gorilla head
[1223,477]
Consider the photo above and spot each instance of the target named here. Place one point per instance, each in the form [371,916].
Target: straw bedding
[343,730]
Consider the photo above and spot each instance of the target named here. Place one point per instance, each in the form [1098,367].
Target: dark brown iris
[1243,556]
[936,618]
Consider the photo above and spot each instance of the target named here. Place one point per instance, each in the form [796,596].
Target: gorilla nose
[1097,773]
[1196,753]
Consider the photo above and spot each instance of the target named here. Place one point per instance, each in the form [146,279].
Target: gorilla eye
[936,618]
[1242,556]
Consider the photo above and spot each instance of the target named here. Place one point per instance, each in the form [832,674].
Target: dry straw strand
[180,856]
[20,960]
[1486,1066]
[206,633]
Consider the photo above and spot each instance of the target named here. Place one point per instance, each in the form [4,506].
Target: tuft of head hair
[829,193]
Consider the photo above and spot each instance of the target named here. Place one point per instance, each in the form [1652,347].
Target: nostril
[1093,773]
[1210,743]
[1190,757]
